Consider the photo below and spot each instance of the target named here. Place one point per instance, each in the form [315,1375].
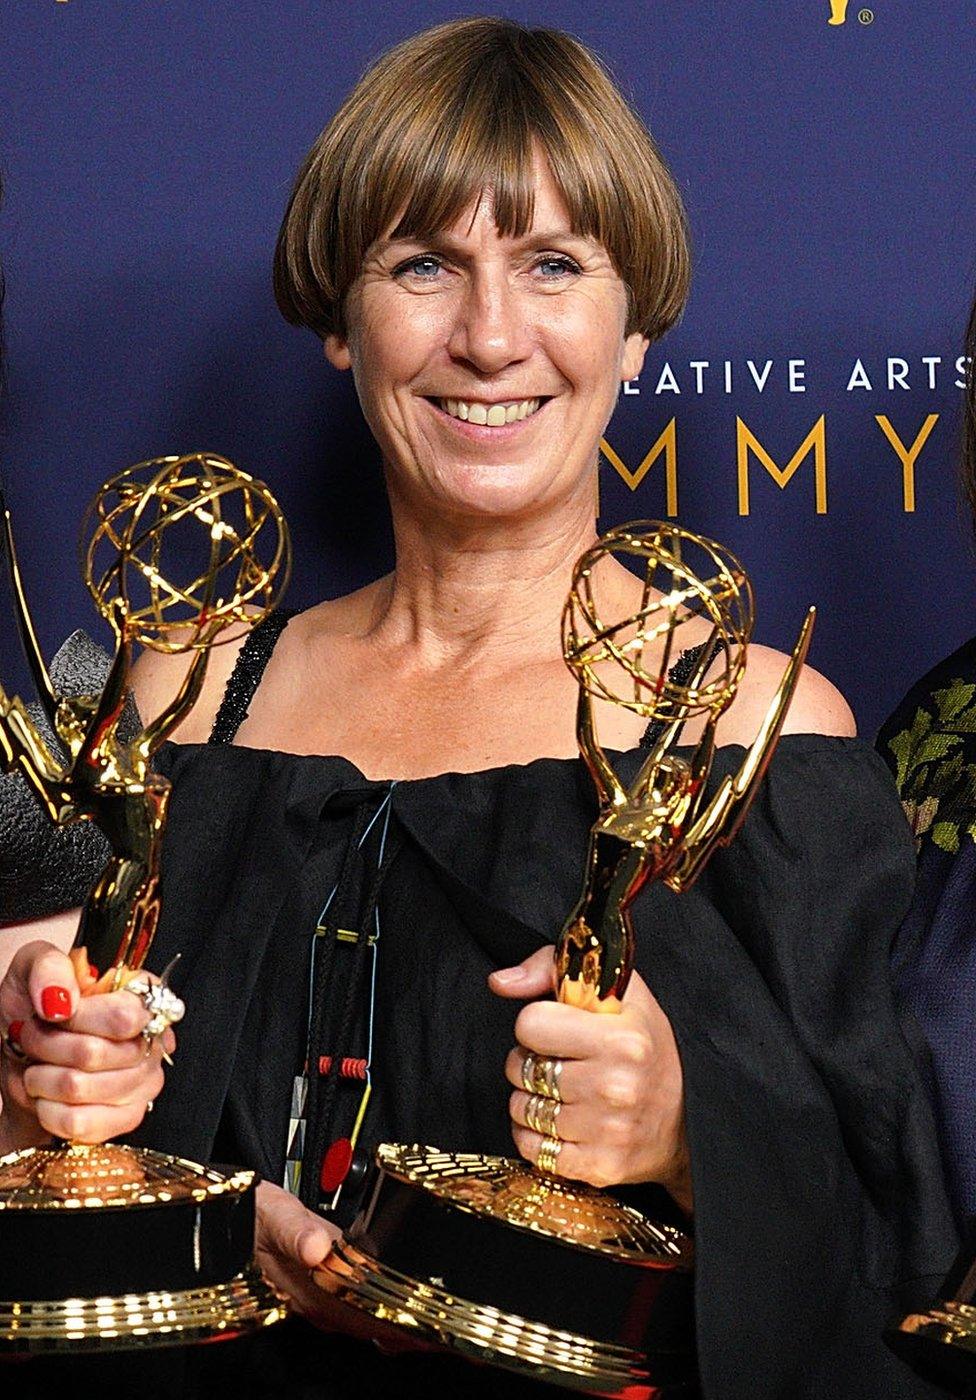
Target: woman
[379,825]
[930,744]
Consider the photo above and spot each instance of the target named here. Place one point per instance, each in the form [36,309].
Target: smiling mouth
[492,415]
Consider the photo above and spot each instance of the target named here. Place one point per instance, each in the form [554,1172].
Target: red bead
[335,1165]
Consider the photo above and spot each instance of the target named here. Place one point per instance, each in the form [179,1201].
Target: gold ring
[532,1113]
[545,1075]
[540,1073]
[528,1072]
[547,1116]
[549,1155]
[554,1069]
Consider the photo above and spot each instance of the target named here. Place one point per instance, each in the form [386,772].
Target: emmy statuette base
[109,1248]
[245,1304]
[427,1256]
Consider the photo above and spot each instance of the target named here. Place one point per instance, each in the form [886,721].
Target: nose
[491,330]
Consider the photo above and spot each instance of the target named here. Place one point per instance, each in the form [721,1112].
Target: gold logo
[838,13]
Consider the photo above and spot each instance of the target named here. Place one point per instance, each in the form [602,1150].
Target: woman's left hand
[622,1116]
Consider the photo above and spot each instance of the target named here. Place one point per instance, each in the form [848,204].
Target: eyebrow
[532,239]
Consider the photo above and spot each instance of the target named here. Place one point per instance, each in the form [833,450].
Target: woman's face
[487,366]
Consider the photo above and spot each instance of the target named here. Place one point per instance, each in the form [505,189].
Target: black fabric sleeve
[820,1208]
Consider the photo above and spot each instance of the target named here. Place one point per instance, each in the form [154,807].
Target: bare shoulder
[817,707]
[156,679]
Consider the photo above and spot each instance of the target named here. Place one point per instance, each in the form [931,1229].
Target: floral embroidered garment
[930,744]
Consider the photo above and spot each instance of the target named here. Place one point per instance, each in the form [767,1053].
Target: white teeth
[492,415]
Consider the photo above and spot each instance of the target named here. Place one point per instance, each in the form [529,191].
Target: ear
[635,348]
[336,349]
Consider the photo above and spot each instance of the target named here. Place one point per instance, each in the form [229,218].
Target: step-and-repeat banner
[805,412]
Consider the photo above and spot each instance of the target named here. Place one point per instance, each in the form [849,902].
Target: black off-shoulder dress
[819,1205]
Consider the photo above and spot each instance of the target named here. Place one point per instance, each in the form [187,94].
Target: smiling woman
[379,818]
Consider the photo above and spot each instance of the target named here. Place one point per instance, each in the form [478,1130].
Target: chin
[496,492]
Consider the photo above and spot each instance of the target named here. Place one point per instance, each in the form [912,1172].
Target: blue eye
[426,267]
[553,267]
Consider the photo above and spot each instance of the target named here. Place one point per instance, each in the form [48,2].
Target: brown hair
[454,109]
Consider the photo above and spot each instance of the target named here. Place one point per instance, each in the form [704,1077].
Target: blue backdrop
[148,147]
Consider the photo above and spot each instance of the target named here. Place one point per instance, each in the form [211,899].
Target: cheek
[394,342]
[587,347]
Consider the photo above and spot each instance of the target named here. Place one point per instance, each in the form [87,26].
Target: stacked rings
[548,1155]
[541,1076]
[541,1115]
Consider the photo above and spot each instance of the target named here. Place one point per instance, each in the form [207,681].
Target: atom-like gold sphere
[628,660]
[182,547]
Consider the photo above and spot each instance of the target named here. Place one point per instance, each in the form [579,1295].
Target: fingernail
[55,1003]
[93,972]
[14,1032]
[509,974]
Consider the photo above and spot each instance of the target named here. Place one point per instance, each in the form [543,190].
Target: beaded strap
[679,674]
[246,675]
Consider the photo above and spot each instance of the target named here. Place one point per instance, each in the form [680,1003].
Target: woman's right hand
[83,1072]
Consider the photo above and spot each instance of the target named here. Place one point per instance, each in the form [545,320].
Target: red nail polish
[14,1032]
[93,972]
[55,1003]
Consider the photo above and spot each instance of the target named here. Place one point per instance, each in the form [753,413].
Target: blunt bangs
[460,109]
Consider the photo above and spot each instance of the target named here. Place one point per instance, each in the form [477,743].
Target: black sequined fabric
[246,675]
[679,674]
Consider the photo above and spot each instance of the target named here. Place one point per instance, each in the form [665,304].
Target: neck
[462,589]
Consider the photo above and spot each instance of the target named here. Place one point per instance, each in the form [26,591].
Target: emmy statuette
[461,1250]
[107,1247]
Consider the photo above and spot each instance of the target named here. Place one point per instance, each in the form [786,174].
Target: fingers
[286,1230]
[113,1015]
[551,1028]
[90,1123]
[110,1088]
[534,977]
[564,1120]
[572,1161]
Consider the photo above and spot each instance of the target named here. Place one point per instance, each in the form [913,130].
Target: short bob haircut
[457,108]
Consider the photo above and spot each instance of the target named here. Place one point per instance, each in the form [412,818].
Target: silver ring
[528,1072]
[164,1006]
